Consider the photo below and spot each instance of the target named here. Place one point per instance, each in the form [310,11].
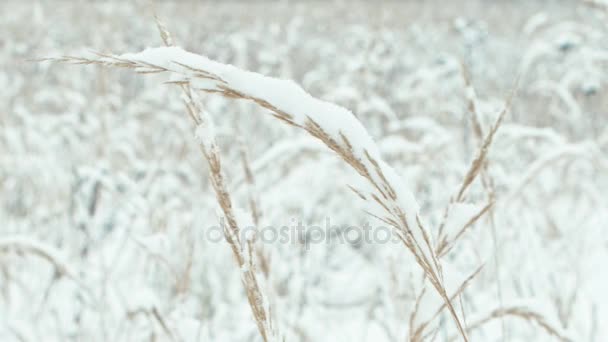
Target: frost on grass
[102,165]
[285,96]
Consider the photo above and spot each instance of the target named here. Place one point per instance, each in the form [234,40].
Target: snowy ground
[108,219]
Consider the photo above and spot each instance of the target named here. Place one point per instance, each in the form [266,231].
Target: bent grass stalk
[241,251]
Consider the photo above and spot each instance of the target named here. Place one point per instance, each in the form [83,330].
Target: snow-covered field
[409,197]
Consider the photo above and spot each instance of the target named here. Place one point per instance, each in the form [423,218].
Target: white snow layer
[206,74]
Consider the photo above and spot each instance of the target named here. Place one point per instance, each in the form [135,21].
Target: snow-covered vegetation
[303,171]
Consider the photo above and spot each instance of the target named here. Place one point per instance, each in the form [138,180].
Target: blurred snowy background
[105,201]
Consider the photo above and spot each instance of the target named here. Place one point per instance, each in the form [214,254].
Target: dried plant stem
[419,331]
[262,259]
[241,252]
[488,184]
[522,313]
[48,253]
[478,165]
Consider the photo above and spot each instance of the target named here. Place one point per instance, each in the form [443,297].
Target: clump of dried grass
[415,237]
[411,231]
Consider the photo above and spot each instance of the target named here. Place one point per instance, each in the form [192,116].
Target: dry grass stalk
[471,98]
[242,252]
[48,253]
[153,315]
[568,151]
[522,313]
[253,201]
[26,246]
[477,163]
[478,166]
[159,318]
[419,333]
[445,246]
[262,258]
[488,184]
